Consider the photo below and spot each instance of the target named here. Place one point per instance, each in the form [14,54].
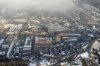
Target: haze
[50,5]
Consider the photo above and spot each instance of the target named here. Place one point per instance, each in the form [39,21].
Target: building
[12,62]
[19,20]
[68,37]
[27,46]
[42,43]
[1,27]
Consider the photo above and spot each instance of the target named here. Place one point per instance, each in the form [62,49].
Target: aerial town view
[49,32]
